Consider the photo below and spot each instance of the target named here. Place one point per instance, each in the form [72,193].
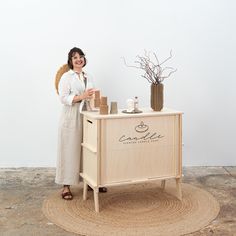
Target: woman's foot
[66,193]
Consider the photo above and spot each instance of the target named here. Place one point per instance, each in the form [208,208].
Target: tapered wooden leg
[95,193]
[85,190]
[163,184]
[178,188]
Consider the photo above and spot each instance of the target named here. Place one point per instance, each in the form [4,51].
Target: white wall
[37,35]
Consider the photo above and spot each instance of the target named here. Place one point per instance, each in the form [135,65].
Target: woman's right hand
[88,94]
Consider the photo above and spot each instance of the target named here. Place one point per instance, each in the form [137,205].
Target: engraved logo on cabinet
[142,135]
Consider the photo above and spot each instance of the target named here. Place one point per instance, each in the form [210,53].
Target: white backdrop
[37,35]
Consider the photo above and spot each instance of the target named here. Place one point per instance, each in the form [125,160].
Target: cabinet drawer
[90,132]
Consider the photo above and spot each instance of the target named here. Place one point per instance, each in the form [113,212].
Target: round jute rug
[137,210]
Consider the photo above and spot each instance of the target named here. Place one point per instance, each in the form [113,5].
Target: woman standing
[74,88]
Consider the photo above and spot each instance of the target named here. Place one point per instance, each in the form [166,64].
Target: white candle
[130,105]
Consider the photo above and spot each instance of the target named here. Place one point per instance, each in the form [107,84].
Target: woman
[74,88]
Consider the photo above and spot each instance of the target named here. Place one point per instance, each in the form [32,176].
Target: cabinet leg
[178,188]
[96,203]
[85,190]
[163,184]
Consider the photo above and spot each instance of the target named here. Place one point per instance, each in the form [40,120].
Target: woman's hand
[88,94]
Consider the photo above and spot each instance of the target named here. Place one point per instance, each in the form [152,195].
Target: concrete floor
[23,190]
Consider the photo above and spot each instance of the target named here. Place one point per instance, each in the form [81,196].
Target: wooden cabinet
[130,148]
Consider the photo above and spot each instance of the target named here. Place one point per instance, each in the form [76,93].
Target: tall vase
[157,97]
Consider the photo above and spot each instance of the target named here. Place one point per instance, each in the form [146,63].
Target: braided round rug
[137,210]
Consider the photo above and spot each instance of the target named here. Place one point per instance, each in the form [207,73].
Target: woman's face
[77,61]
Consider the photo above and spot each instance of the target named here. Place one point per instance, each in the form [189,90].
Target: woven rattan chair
[59,74]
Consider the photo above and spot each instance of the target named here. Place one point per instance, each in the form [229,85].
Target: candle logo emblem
[141,128]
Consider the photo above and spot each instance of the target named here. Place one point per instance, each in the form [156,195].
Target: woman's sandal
[67,195]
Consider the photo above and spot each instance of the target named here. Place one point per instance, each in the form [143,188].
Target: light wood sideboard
[130,148]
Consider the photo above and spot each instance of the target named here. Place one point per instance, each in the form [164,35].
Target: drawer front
[90,132]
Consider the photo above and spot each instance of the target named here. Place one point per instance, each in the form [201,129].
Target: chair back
[59,74]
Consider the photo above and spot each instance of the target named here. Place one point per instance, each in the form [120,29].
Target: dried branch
[167,58]
[170,73]
[154,71]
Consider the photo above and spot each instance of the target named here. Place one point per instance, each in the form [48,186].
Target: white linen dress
[70,128]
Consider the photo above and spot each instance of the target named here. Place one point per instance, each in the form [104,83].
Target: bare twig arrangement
[155,72]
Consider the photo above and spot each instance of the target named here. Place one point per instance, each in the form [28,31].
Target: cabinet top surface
[145,112]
